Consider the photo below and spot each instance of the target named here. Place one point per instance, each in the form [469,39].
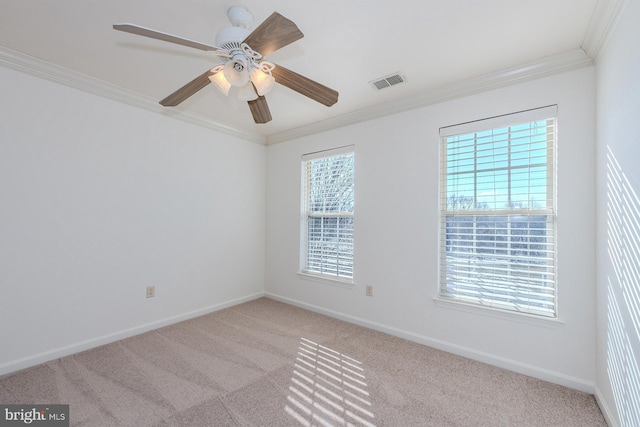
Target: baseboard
[29,361]
[604,408]
[501,362]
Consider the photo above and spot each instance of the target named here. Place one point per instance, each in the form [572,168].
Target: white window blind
[327,213]
[498,216]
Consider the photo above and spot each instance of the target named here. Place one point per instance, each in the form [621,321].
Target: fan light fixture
[243,67]
[219,81]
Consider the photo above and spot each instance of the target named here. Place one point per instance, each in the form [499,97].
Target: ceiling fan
[244,67]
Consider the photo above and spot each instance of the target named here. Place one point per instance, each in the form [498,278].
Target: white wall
[397,233]
[99,200]
[618,220]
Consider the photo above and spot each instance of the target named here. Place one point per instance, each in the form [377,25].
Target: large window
[327,214]
[498,212]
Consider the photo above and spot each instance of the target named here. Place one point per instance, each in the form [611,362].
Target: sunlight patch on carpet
[328,388]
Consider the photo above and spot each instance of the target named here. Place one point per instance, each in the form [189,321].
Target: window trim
[342,281]
[327,280]
[483,310]
[494,307]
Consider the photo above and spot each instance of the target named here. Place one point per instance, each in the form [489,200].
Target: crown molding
[55,73]
[530,71]
[546,66]
[604,16]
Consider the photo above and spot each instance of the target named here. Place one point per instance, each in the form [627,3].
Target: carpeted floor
[264,363]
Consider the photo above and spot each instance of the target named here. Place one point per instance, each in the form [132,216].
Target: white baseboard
[604,408]
[501,362]
[47,356]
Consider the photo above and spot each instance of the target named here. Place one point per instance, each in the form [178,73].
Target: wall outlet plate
[151,291]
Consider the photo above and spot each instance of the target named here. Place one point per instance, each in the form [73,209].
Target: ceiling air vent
[387,81]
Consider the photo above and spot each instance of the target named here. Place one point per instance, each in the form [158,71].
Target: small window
[498,215]
[327,219]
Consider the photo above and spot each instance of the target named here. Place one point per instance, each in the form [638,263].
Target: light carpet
[265,363]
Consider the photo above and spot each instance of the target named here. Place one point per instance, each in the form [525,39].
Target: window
[498,212]
[327,214]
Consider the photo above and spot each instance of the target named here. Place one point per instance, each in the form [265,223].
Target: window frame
[306,212]
[446,291]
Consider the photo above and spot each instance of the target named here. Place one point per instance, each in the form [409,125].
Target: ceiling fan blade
[146,32]
[187,90]
[275,32]
[305,86]
[260,110]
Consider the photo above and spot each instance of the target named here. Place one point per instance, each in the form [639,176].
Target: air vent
[388,81]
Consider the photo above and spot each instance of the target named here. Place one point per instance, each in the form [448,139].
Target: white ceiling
[347,44]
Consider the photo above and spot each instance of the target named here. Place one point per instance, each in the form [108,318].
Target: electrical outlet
[151,291]
[369,290]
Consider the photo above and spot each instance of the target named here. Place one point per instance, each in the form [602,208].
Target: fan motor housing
[231,38]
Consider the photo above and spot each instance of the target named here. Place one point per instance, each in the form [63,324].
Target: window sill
[512,316]
[343,283]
